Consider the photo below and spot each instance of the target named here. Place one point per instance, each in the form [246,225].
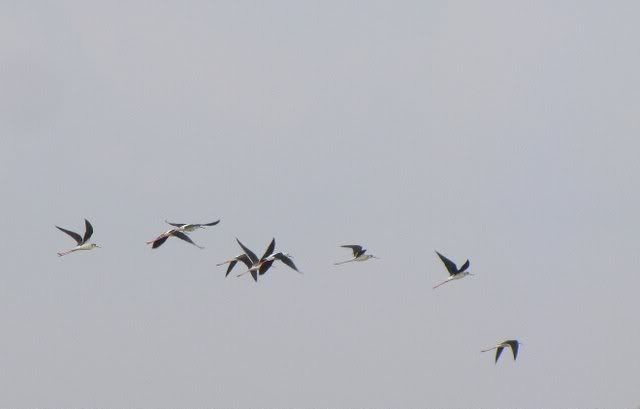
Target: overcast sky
[502,132]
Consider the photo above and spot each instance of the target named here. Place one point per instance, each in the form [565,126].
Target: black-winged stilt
[358,254]
[512,343]
[455,273]
[258,265]
[286,258]
[83,242]
[158,241]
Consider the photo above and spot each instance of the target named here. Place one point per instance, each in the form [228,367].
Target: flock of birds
[259,266]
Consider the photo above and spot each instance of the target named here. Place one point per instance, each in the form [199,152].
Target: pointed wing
[265,267]
[232,264]
[73,234]
[194,224]
[158,242]
[498,353]
[245,259]
[184,237]
[269,250]
[286,260]
[450,265]
[254,274]
[88,231]
[252,256]
[357,250]
[514,348]
[464,267]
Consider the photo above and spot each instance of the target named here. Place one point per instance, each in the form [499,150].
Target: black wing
[184,237]
[464,266]
[175,224]
[158,242]
[269,250]
[265,267]
[88,231]
[498,352]
[211,224]
[245,259]
[254,274]
[232,264]
[252,256]
[357,250]
[514,348]
[450,265]
[286,260]
[73,234]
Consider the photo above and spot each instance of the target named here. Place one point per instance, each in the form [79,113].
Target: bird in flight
[179,230]
[511,343]
[175,232]
[232,262]
[358,254]
[83,241]
[286,258]
[191,227]
[260,265]
[455,273]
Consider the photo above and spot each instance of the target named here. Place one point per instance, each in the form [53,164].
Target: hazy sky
[503,132]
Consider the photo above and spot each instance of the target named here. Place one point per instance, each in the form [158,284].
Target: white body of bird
[455,277]
[363,257]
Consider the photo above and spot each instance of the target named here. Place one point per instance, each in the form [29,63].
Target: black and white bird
[232,262]
[455,273]
[83,241]
[358,254]
[286,258]
[192,226]
[175,232]
[511,343]
[260,265]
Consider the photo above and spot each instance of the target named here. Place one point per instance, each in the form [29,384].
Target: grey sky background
[502,132]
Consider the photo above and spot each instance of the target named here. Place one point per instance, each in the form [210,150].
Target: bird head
[94,245]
